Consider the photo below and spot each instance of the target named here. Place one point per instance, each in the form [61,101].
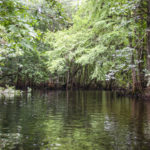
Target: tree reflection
[76,120]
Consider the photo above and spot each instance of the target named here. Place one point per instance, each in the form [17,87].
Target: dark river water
[74,120]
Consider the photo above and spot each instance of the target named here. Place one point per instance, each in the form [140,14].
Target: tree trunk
[68,78]
[147,93]
[141,65]
[134,80]
[148,37]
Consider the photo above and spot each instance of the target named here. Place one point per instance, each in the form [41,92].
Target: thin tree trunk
[134,80]
[147,93]
[141,77]
[148,37]
[68,78]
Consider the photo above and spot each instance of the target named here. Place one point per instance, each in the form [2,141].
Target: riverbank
[139,94]
[121,91]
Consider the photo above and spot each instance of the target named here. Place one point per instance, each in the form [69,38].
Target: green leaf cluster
[101,42]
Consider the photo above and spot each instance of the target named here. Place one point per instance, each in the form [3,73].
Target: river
[74,120]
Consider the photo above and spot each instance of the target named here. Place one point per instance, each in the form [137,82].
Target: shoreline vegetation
[11,92]
[76,45]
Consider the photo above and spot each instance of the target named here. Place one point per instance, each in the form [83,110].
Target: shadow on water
[74,120]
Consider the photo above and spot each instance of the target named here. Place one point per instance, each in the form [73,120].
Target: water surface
[74,120]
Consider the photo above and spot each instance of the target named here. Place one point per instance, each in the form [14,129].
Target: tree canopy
[100,44]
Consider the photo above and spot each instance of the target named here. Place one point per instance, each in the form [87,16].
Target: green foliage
[105,44]
[22,56]
[103,39]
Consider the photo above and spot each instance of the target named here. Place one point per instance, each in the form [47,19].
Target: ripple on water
[79,120]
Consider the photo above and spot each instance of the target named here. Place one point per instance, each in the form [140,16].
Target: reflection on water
[74,120]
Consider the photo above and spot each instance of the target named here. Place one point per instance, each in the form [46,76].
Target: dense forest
[75,44]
